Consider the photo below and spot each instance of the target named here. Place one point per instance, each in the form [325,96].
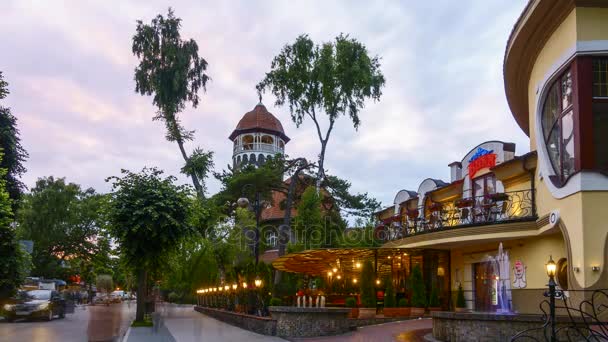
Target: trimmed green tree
[367,290]
[389,294]
[434,298]
[148,219]
[460,301]
[418,289]
[335,78]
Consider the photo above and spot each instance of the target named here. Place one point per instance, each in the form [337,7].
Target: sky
[70,71]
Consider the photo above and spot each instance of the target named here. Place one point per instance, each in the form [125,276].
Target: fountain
[502,286]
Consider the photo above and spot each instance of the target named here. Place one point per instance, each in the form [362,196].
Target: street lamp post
[243,202]
[552,294]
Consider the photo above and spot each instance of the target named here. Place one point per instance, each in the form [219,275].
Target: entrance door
[485,287]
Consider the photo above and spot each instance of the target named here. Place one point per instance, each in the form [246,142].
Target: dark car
[45,304]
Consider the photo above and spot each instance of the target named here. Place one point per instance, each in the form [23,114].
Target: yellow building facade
[552,201]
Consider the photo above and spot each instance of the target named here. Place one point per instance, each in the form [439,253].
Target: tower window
[267,139]
[248,142]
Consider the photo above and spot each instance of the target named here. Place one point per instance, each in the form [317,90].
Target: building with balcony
[549,202]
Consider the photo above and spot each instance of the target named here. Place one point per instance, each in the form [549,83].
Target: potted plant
[434,303]
[276,301]
[418,293]
[404,308]
[351,303]
[499,196]
[368,295]
[390,304]
[461,305]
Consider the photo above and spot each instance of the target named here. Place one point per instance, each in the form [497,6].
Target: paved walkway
[404,331]
[180,323]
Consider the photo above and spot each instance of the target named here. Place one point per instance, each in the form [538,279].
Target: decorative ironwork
[505,207]
[587,321]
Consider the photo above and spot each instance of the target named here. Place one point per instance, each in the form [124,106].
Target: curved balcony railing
[258,147]
[474,211]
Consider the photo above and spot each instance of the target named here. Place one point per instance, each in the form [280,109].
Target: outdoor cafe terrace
[497,208]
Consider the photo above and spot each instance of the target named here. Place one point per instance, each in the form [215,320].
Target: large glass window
[600,113]
[558,126]
[484,185]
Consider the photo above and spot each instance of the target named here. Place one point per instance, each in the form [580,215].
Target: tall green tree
[171,71]
[334,78]
[309,222]
[14,154]
[63,221]
[13,261]
[149,216]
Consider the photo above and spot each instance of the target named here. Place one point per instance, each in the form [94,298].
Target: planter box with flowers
[351,303]
[464,203]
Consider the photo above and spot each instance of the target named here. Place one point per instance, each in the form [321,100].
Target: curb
[125,338]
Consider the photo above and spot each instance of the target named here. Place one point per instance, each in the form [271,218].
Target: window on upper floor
[558,126]
[484,185]
[600,113]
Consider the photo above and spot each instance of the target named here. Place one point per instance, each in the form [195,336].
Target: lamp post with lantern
[552,294]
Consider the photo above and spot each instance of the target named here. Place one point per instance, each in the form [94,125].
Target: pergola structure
[347,262]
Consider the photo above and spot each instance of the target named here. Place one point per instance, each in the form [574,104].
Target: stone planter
[417,312]
[367,312]
[309,322]
[396,312]
[461,310]
[354,313]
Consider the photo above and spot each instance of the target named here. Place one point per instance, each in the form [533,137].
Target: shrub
[403,303]
[368,296]
[389,294]
[418,290]
[276,301]
[460,302]
[173,297]
[434,298]
[350,302]
[104,283]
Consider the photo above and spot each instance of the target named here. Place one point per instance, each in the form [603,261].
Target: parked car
[101,299]
[44,304]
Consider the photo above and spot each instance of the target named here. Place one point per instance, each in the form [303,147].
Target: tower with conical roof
[257,136]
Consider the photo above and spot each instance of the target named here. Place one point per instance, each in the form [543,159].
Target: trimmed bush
[368,295]
[276,301]
[460,302]
[172,297]
[350,302]
[418,290]
[434,298]
[389,294]
[403,303]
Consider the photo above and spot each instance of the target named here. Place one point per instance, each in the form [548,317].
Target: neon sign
[480,160]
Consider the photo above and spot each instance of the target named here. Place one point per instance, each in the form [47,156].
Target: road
[88,323]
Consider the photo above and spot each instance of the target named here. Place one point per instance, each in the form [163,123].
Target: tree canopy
[171,71]
[10,143]
[334,78]
[63,221]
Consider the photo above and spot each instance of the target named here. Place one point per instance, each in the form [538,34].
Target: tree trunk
[141,295]
[195,181]
[321,171]
[285,228]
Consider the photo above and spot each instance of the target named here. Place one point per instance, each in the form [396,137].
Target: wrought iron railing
[582,316]
[257,147]
[474,211]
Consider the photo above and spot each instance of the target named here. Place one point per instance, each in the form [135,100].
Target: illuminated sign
[480,160]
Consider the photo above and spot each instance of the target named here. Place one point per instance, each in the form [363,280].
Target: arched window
[245,159]
[281,144]
[267,139]
[238,160]
[248,142]
[558,127]
[260,159]
[252,158]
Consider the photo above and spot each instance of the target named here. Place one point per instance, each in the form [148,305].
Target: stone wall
[260,325]
[360,322]
[473,326]
[309,322]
